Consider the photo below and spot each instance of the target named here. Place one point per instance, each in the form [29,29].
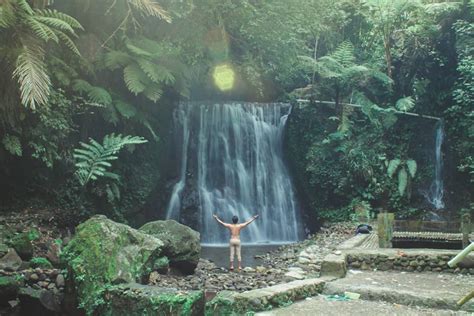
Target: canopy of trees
[77,72]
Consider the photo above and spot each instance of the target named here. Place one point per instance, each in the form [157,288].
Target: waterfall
[235,153]
[435,195]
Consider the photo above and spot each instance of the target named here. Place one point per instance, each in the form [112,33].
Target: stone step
[230,303]
[432,290]
[322,305]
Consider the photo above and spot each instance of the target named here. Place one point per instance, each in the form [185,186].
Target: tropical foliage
[78,71]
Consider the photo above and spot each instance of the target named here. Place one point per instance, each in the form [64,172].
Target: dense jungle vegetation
[88,88]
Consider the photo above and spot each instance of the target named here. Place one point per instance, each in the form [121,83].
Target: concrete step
[232,303]
[320,305]
[432,290]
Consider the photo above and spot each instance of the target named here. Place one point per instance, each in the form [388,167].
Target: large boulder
[181,244]
[23,246]
[10,261]
[103,253]
[137,300]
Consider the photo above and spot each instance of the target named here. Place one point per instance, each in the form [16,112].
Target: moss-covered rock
[22,245]
[9,287]
[103,253]
[182,244]
[142,300]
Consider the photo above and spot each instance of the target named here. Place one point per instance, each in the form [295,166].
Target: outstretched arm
[219,221]
[250,220]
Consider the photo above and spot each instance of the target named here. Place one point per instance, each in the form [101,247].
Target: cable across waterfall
[232,155]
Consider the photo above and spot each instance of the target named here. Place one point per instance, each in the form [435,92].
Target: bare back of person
[234,242]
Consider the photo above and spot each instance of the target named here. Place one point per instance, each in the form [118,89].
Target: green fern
[96,94]
[93,159]
[405,104]
[33,29]
[146,67]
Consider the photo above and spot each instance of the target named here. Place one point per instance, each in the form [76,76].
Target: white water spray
[436,193]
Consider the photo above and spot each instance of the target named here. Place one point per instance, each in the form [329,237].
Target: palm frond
[32,76]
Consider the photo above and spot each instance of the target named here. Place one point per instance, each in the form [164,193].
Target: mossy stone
[22,245]
[103,253]
[137,300]
[181,243]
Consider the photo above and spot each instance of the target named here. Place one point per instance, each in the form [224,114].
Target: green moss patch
[104,253]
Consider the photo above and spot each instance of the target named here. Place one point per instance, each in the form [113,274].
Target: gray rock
[11,261]
[181,243]
[60,282]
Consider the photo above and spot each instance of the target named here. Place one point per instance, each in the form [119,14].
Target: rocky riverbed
[287,263]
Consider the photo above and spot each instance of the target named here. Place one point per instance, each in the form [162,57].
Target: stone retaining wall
[411,261]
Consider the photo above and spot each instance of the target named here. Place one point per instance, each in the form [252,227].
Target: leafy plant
[148,66]
[404,177]
[93,159]
[12,145]
[28,30]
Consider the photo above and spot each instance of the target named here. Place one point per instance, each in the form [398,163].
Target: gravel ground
[274,265]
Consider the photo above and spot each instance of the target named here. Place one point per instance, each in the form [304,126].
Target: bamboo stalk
[359,106]
[461,255]
[465,299]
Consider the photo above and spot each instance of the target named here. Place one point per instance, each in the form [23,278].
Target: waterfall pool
[219,254]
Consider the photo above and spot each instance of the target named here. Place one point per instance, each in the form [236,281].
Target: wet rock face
[104,252]
[181,243]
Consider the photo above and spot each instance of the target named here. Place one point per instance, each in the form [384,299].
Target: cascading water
[435,195]
[237,152]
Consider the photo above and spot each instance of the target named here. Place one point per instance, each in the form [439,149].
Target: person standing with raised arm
[234,243]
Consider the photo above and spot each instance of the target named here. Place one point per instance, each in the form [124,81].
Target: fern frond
[134,79]
[96,94]
[92,160]
[32,76]
[116,59]
[68,42]
[7,14]
[72,22]
[42,31]
[151,8]
[23,4]
[405,104]
[153,92]
[55,23]
[125,109]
